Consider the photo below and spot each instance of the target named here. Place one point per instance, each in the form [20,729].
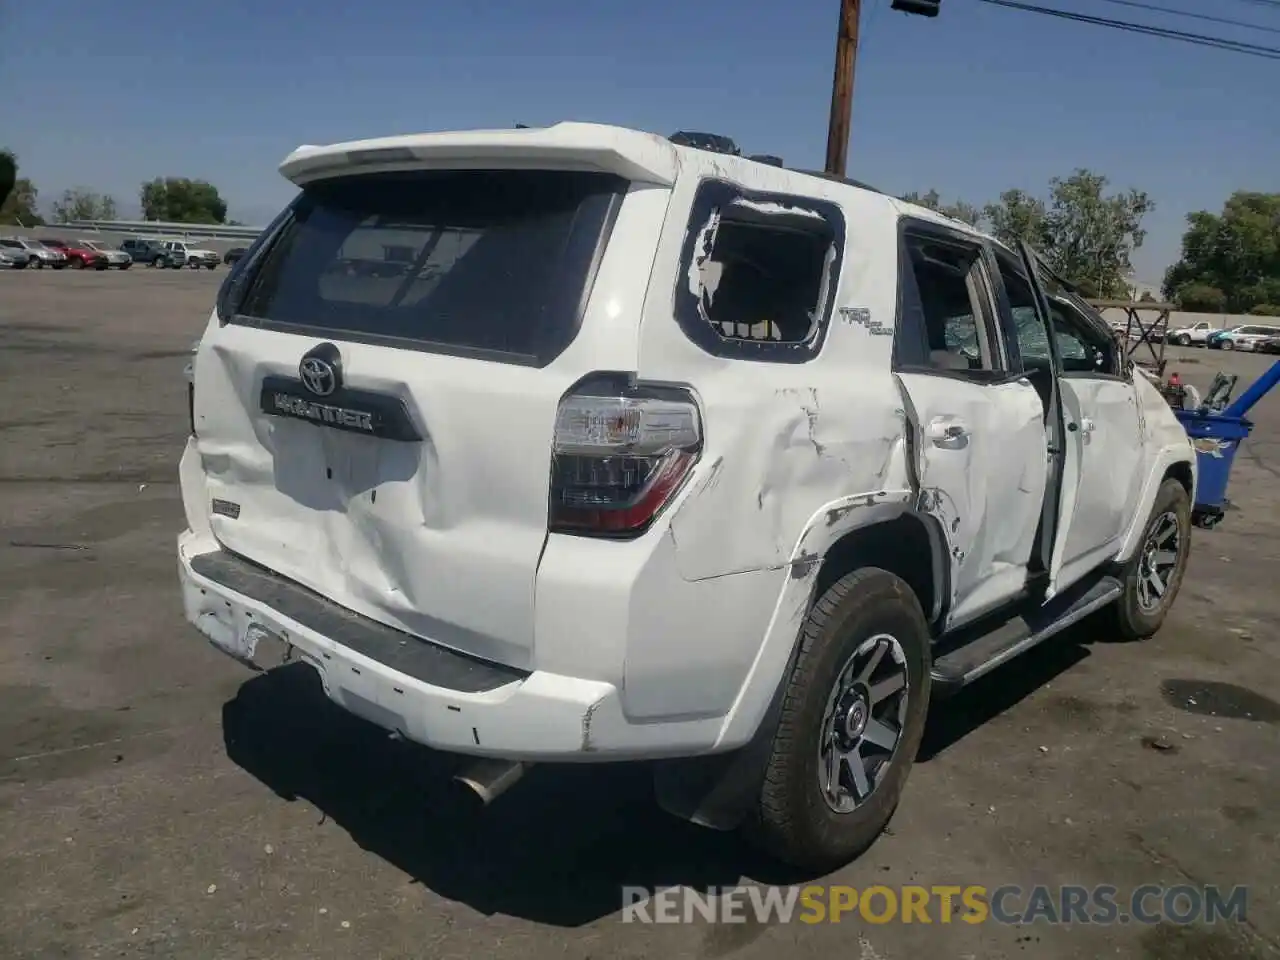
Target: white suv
[575,444]
[1245,337]
[182,253]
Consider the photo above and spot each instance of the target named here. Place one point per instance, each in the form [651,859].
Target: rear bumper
[424,691]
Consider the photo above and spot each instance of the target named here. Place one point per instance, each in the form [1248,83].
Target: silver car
[11,259]
[38,254]
[115,258]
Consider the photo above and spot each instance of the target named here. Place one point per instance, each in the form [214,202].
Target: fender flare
[718,790]
[1166,457]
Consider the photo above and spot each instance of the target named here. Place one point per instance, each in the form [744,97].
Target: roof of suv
[634,154]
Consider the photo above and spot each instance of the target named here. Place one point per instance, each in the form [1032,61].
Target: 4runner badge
[862,317]
[321,370]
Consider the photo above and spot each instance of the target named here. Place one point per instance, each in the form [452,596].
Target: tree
[80,203]
[1200,298]
[17,194]
[8,174]
[962,211]
[179,200]
[1236,252]
[929,200]
[958,210]
[1018,216]
[1092,236]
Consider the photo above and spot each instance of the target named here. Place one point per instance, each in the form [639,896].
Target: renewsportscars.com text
[972,904]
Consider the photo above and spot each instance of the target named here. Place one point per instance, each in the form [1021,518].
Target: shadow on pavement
[950,721]
[558,848]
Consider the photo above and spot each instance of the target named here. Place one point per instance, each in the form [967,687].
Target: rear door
[981,455]
[375,406]
[1103,436]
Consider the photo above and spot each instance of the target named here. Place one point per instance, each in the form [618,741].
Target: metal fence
[159,228]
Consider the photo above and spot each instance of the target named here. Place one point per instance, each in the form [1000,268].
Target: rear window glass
[489,262]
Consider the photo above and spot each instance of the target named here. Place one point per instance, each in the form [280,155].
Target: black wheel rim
[1158,562]
[863,722]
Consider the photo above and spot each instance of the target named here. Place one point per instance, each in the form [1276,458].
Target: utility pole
[842,87]
[846,62]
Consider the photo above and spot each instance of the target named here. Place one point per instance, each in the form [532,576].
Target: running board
[977,653]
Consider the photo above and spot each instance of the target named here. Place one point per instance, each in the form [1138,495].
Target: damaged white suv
[577,444]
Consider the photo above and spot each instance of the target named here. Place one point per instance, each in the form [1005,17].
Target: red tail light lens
[621,452]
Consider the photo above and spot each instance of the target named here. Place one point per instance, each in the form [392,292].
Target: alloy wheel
[1158,561]
[862,725]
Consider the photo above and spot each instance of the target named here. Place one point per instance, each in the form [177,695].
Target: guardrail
[159,228]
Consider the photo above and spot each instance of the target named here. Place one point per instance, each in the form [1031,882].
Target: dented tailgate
[374,410]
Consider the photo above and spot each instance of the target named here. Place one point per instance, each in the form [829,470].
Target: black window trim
[1121,355]
[910,352]
[714,194]
[246,271]
[1001,258]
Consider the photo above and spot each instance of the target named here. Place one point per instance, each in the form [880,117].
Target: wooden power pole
[842,87]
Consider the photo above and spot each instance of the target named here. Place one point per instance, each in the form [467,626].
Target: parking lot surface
[159,800]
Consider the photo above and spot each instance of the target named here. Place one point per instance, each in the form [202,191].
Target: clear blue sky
[108,94]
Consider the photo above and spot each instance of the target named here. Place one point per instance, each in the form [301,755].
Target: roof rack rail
[713,142]
[836,178]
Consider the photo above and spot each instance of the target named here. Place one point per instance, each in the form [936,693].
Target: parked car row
[1259,337]
[19,253]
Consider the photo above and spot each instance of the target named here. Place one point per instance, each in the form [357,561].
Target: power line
[1197,39]
[1196,16]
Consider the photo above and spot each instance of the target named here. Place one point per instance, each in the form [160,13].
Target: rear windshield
[493,263]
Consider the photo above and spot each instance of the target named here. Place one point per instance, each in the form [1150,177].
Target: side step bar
[976,654]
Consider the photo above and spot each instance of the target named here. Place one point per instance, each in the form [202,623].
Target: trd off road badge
[862,317]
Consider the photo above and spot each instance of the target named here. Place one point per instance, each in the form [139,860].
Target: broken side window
[759,273]
[953,294]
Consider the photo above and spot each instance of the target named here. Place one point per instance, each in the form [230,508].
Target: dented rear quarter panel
[795,454]
[785,443]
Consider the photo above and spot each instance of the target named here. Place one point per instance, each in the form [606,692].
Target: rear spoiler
[635,156]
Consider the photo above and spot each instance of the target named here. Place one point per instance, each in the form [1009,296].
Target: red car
[78,258]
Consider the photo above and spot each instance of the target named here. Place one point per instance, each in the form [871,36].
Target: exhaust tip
[486,780]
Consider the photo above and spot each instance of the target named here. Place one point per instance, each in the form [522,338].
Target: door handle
[943,430]
[1087,425]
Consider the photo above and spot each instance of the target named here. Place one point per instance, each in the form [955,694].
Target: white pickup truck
[182,253]
[1196,334]
[574,444]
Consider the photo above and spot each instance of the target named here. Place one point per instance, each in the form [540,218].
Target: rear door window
[758,273]
[495,264]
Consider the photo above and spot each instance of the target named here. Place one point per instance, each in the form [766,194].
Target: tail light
[621,452]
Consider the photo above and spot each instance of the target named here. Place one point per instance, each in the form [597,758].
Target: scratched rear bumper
[482,710]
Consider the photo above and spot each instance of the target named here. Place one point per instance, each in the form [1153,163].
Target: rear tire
[859,690]
[1151,578]
[1226,345]
[1183,341]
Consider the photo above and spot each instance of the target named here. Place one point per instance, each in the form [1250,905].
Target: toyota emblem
[321,370]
